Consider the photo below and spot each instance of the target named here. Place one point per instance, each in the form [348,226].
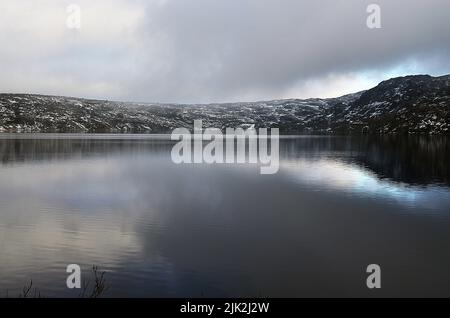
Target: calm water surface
[165,230]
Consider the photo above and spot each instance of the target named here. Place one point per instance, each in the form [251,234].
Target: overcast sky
[217,50]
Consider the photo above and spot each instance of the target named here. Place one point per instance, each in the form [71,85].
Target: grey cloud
[203,50]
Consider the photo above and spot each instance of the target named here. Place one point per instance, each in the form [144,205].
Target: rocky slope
[412,104]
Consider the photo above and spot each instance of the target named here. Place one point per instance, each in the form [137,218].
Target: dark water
[160,229]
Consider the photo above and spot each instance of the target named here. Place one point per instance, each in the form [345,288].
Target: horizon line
[216,103]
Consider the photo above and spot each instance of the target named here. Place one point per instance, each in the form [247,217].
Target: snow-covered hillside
[412,104]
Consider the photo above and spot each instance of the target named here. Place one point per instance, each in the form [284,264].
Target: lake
[159,229]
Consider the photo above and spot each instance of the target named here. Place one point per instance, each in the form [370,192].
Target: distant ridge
[411,104]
